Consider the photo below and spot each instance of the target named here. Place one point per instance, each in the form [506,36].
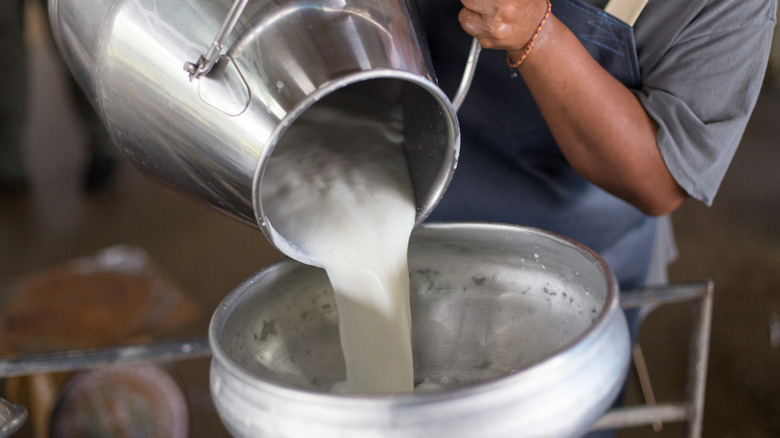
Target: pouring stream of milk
[338,186]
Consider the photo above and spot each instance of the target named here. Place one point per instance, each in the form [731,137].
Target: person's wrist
[515,58]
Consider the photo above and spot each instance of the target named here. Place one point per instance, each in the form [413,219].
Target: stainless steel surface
[211,137]
[12,417]
[77,360]
[523,327]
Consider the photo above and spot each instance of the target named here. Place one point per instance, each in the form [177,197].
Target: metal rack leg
[699,353]
[691,410]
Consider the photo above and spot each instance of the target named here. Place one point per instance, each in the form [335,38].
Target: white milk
[339,187]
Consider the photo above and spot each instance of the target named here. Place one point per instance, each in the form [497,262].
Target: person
[103,160]
[582,124]
[608,127]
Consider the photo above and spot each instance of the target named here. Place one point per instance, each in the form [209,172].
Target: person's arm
[599,125]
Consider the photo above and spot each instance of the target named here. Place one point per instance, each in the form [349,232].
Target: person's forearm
[598,123]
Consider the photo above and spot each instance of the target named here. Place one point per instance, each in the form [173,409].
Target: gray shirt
[702,64]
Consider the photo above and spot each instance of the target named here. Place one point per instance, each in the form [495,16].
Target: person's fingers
[481,7]
[501,24]
[484,28]
[472,22]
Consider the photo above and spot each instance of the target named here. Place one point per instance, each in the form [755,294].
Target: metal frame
[79,360]
[690,410]
[13,415]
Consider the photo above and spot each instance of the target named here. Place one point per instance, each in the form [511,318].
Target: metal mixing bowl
[521,329]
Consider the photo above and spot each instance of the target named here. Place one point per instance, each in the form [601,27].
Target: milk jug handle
[468,74]
[207,61]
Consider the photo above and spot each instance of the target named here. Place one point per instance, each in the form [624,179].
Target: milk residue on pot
[338,187]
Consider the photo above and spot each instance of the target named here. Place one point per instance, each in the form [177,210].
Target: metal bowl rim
[243,290]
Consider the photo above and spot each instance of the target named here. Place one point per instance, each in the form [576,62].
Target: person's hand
[502,24]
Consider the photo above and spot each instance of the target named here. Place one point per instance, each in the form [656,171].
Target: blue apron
[510,168]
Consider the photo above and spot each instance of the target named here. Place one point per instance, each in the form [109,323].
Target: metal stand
[79,360]
[41,366]
[691,410]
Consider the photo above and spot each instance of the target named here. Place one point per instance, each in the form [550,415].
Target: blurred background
[201,255]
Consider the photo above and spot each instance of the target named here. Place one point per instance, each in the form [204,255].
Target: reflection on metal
[691,410]
[225,88]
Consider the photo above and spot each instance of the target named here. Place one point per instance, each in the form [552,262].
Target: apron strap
[626,10]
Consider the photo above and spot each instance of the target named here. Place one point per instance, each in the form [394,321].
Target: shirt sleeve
[703,84]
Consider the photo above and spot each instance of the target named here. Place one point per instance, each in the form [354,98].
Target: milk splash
[340,189]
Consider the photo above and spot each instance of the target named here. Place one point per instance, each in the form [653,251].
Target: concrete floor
[736,243]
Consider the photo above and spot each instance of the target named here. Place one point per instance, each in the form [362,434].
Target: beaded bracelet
[530,44]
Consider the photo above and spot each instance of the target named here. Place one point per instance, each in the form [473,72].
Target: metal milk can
[198,92]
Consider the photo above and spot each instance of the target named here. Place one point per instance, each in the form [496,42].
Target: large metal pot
[521,327]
